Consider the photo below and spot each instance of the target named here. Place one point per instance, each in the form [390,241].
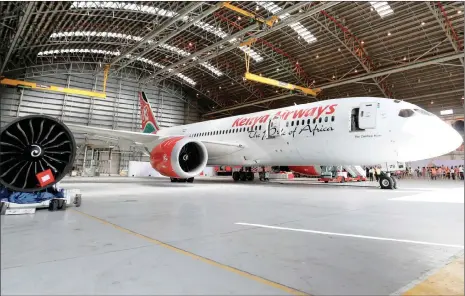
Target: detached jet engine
[36,152]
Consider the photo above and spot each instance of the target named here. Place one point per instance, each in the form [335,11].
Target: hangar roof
[404,50]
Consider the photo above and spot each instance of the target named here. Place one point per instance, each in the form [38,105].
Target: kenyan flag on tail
[149,124]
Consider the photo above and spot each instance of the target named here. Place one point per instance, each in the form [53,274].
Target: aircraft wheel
[190,180]
[236,176]
[386,182]
[53,206]
[242,176]
[173,180]
[250,176]
[61,204]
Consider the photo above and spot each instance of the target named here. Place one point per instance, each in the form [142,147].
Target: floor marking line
[352,235]
[198,257]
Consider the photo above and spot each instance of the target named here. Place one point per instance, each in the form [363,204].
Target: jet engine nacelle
[36,152]
[179,157]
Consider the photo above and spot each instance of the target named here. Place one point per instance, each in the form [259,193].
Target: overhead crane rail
[269,22]
[52,88]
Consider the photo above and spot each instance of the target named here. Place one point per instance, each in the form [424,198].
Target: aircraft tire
[61,204]
[190,180]
[173,180]
[250,176]
[243,176]
[236,176]
[386,182]
[53,206]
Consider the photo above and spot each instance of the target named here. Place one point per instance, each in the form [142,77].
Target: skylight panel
[184,53]
[252,53]
[80,50]
[297,27]
[95,34]
[187,79]
[382,8]
[162,12]
[123,5]
[114,53]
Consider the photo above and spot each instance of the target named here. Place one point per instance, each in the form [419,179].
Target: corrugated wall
[120,110]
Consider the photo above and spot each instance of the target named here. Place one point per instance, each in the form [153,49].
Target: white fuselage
[327,133]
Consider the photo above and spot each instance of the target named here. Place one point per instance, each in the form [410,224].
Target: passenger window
[296,122]
[260,128]
[308,121]
[319,120]
[326,119]
[287,123]
[303,121]
[332,118]
[292,123]
[314,120]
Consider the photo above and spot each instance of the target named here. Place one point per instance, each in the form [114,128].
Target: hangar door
[367,115]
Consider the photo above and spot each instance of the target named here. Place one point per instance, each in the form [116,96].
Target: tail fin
[149,124]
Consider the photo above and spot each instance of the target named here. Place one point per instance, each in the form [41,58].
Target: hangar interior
[190,59]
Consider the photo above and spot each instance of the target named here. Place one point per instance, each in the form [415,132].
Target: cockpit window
[406,113]
[421,111]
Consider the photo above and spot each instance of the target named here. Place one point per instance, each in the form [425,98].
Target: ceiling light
[405,58]
[334,76]
[239,18]
[422,23]
[446,112]
[356,71]
[389,33]
[363,42]
[190,43]
[317,56]
[232,83]
[220,87]
[297,62]
[257,8]
[371,9]
[462,98]
[339,49]
[432,102]
[459,11]
[301,10]
[277,69]
[313,81]
[260,74]
[382,8]
[276,91]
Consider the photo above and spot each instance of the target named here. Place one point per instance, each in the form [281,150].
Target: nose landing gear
[387,182]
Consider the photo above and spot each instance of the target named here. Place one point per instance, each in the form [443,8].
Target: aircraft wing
[134,137]
[215,148]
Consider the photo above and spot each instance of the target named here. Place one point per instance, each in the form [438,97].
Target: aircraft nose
[428,138]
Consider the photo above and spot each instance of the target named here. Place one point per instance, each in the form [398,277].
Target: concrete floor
[150,236]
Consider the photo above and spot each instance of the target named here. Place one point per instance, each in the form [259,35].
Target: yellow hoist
[269,81]
[71,91]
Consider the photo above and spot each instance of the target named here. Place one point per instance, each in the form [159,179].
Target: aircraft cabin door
[274,127]
[367,115]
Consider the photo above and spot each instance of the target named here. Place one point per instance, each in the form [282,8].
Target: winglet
[149,124]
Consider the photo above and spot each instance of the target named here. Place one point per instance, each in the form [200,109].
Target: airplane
[348,131]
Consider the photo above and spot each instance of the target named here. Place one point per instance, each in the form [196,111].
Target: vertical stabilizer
[149,124]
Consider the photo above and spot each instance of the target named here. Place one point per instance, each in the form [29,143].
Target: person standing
[461,172]
[367,172]
[371,173]
[377,173]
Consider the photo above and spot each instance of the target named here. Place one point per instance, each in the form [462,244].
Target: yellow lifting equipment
[269,81]
[269,22]
[71,91]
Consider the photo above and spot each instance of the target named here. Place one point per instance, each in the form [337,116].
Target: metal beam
[423,63]
[290,20]
[397,69]
[19,30]
[239,106]
[191,7]
[441,17]
[176,32]
[354,46]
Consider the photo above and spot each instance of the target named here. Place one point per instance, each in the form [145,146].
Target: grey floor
[150,236]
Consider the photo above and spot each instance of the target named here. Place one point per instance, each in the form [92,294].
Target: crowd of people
[430,172]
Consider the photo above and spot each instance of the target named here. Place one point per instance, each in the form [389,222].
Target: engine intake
[179,157]
[29,147]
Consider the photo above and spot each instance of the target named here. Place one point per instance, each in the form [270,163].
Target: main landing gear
[188,180]
[243,175]
[387,182]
